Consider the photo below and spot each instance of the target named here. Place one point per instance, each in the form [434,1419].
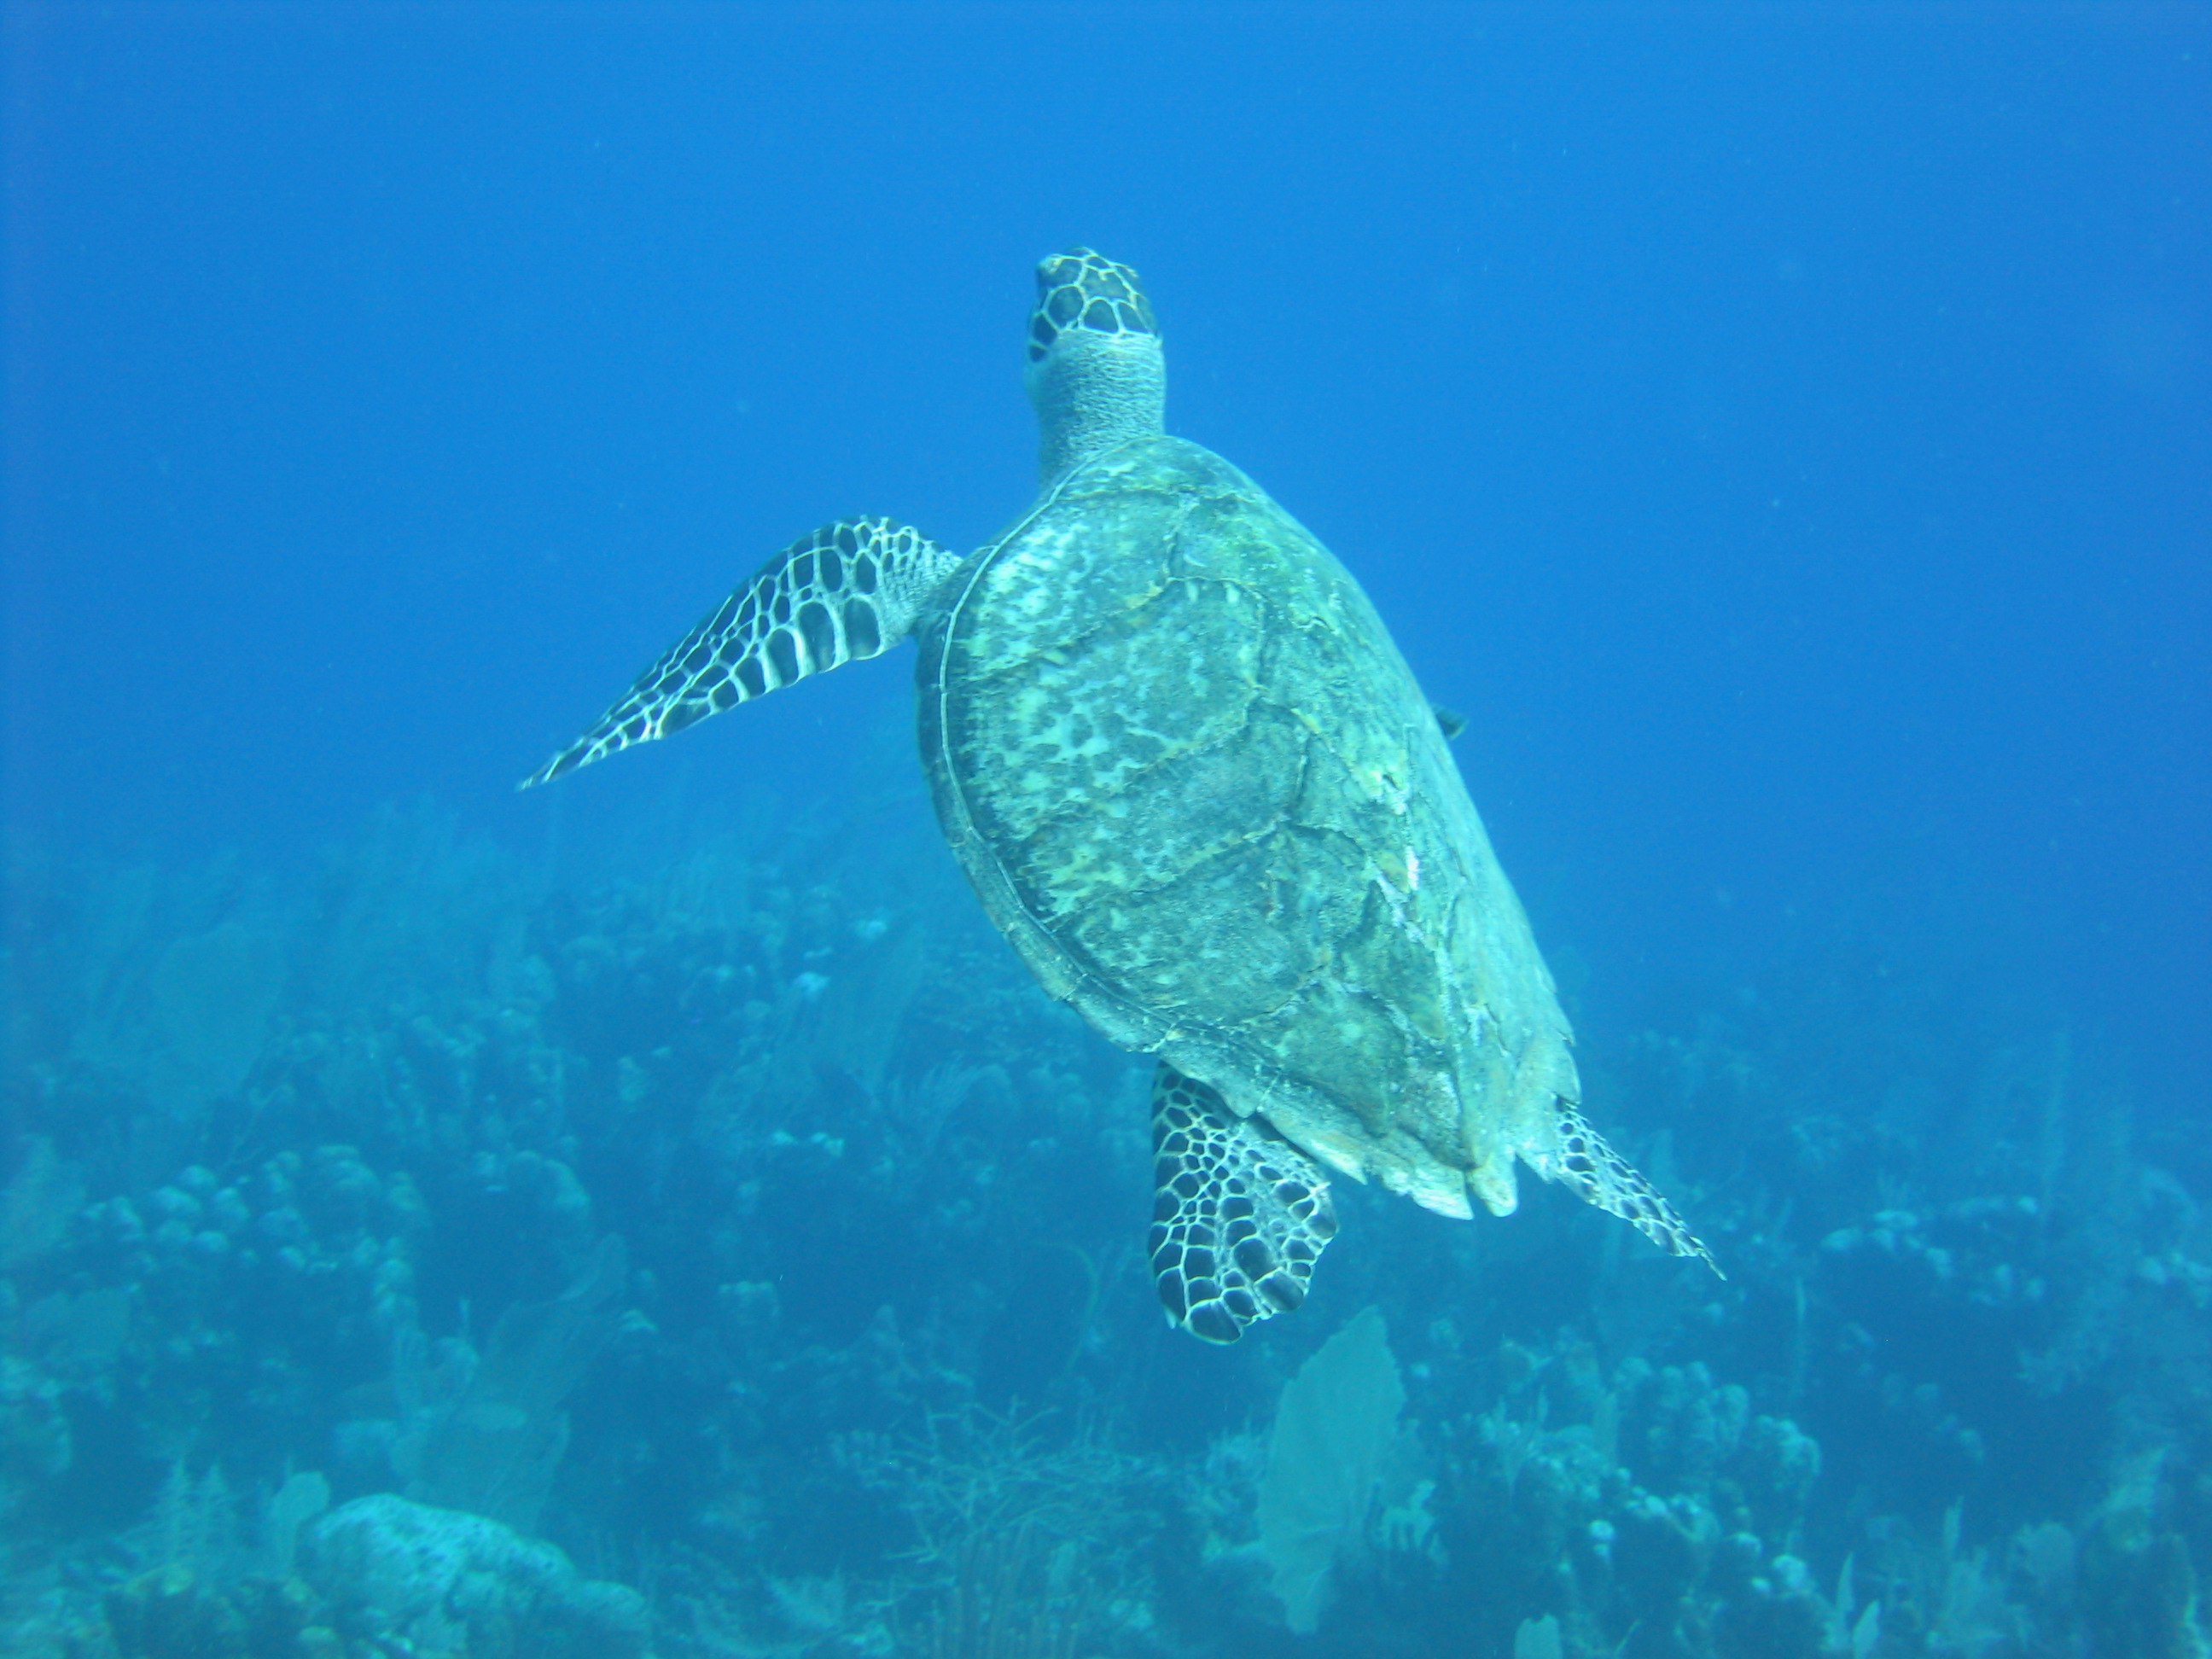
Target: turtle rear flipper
[1605,1178]
[851,590]
[1242,1214]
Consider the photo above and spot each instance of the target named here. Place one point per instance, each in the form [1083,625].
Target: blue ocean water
[1783,433]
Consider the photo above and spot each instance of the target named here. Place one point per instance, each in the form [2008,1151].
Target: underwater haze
[658,1213]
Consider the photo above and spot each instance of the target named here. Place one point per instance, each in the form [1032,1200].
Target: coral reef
[739,1256]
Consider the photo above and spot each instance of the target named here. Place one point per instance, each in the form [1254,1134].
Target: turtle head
[1096,374]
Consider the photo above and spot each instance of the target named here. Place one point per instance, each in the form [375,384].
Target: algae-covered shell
[1196,785]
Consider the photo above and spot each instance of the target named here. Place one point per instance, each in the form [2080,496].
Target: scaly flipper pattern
[1604,1178]
[1241,1217]
[851,590]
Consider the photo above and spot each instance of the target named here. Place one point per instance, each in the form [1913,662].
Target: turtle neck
[1093,392]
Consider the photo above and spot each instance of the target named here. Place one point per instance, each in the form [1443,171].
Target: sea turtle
[1195,784]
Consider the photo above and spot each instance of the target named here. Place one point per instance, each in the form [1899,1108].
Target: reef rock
[450,1583]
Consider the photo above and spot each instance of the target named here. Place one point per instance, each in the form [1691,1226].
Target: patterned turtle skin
[1195,783]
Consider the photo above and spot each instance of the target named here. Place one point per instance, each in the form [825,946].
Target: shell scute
[1082,705]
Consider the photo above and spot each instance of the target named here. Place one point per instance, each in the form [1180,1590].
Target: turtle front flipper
[1241,1217]
[851,590]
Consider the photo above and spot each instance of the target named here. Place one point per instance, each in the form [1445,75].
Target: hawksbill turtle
[1193,783]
